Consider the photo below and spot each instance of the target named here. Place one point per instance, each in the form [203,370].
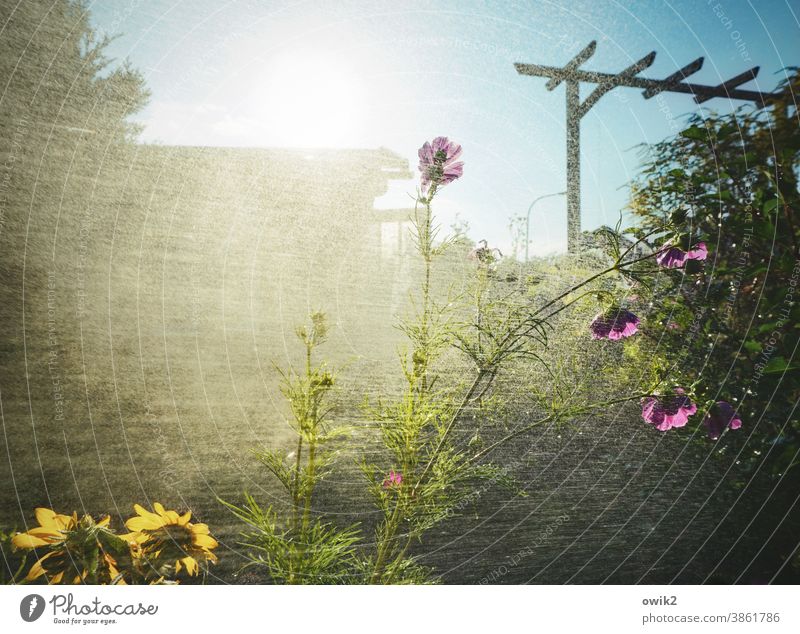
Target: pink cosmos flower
[393,479]
[438,165]
[671,258]
[614,324]
[666,412]
[699,252]
[721,416]
[675,257]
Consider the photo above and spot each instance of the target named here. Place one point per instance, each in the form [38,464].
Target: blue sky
[393,74]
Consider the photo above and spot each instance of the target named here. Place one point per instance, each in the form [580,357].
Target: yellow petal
[200,528]
[46,533]
[159,508]
[183,520]
[191,565]
[204,541]
[46,518]
[113,571]
[144,523]
[143,512]
[66,522]
[56,579]
[105,521]
[24,540]
[134,537]
[136,524]
[37,570]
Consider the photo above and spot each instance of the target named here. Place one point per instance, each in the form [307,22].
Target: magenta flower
[666,412]
[721,416]
[614,324]
[438,165]
[671,258]
[675,257]
[700,252]
[392,480]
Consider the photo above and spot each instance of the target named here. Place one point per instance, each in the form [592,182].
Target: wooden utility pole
[572,76]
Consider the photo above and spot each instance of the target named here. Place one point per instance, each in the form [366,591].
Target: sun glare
[311,101]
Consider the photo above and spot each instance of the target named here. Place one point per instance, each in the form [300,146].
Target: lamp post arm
[528,219]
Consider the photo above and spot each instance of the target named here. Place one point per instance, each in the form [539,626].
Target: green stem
[424,344]
[383,545]
[546,419]
[296,491]
[618,265]
[421,357]
[450,424]
[312,449]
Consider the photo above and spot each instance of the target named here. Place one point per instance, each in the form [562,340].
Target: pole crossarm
[618,80]
[674,79]
[698,90]
[573,75]
[727,87]
[573,64]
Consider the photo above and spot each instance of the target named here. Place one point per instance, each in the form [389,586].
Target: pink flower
[675,258]
[438,165]
[666,412]
[721,416]
[614,324]
[393,480]
[700,252]
[671,258]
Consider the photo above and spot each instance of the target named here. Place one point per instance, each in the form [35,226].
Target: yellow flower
[52,529]
[167,535]
[54,533]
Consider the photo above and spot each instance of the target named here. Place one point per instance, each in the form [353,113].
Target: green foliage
[14,560]
[58,73]
[299,549]
[315,553]
[732,181]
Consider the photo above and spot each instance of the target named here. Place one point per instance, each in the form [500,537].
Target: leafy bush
[732,181]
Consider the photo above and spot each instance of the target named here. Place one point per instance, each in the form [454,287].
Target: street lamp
[528,220]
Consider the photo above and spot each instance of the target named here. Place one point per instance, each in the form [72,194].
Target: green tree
[56,73]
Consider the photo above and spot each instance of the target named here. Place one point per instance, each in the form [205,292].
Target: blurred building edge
[194,238]
[309,213]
